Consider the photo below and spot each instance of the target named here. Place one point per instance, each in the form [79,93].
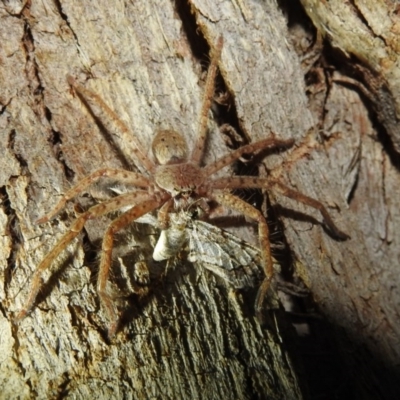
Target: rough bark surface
[362,293]
[189,337]
[367,30]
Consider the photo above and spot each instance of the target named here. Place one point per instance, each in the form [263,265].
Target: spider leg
[245,182]
[163,214]
[118,174]
[151,203]
[93,212]
[309,201]
[247,149]
[228,200]
[95,104]
[208,94]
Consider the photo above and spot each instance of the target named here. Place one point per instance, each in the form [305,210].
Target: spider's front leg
[112,122]
[207,100]
[228,200]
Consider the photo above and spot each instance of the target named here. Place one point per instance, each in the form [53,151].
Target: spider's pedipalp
[93,212]
[163,214]
[247,149]
[118,174]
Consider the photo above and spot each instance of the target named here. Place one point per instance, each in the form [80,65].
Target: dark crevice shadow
[56,276]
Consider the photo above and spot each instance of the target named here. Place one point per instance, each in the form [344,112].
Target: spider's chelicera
[173,182]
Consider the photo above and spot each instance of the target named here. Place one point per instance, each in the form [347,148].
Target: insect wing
[224,254]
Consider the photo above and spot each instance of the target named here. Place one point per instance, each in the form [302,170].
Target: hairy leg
[96,104]
[106,252]
[309,201]
[245,182]
[118,174]
[207,99]
[94,212]
[247,149]
[235,203]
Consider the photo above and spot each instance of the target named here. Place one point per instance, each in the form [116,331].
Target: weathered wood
[368,31]
[360,291]
[188,337]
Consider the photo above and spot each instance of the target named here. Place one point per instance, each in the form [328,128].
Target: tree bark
[362,298]
[189,336]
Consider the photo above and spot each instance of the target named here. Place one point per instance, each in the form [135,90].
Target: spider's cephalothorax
[182,179]
[176,180]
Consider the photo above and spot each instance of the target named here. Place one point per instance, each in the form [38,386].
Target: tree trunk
[361,293]
[187,336]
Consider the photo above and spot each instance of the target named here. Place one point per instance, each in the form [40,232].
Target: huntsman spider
[175,180]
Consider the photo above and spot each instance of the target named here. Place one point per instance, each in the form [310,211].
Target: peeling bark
[360,291]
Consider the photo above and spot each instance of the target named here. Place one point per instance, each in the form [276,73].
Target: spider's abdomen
[169,147]
[179,178]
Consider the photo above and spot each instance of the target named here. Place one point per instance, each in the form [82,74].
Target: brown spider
[174,182]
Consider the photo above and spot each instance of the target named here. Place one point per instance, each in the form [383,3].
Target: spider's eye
[169,147]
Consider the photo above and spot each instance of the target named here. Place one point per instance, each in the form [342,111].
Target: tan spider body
[174,182]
